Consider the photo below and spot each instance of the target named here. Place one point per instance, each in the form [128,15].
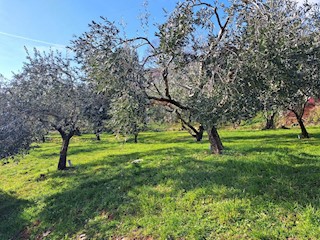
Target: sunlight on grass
[265,186]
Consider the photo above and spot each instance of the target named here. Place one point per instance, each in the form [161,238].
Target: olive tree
[96,110]
[48,91]
[115,70]
[15,133]
[128,115]
[281,48]
[190,67]
[198,55]
[129,104]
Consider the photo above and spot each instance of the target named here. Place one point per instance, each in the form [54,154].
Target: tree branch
[186,123]
[165,78]
[170,101]
[140,38]
[157,89]
[166,82]
[59,129]
[204,4]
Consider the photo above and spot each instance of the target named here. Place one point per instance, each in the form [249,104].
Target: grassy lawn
[266,185]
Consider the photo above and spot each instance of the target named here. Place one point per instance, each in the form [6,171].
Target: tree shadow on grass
[315,135]
[151,138]
[11,218]
[74,150]
[275,139]
[274,182]
[102,201]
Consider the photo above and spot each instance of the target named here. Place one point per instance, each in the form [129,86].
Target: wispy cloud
[13,53]
[310,1]
[32,39]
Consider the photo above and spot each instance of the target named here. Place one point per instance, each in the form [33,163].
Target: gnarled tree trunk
[216,146]
[270,122]
[304,132]
[62,165]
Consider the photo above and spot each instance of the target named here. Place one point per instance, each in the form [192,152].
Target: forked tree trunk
[270,122]
[199,134]
[216,146]
[304,132]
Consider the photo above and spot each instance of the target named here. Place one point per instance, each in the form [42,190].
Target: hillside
[265,186]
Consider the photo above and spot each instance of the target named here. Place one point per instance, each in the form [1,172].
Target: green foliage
[48,90]
[279,46]
[16,134]
[256,122]
[128,115]
[96,110]
[265,186]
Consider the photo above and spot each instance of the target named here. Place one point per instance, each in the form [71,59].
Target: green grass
[266,185]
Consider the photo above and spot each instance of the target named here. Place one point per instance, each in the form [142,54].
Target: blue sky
[45,23]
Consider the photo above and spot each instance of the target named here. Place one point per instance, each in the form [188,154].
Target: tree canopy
[49,91]
[16,134]
[208,64]
[281,51]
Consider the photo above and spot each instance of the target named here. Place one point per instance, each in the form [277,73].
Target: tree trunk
[62,165]
[304,132]
[136,137]
[98,136]
[199,134]
[216,146]
[270,122]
